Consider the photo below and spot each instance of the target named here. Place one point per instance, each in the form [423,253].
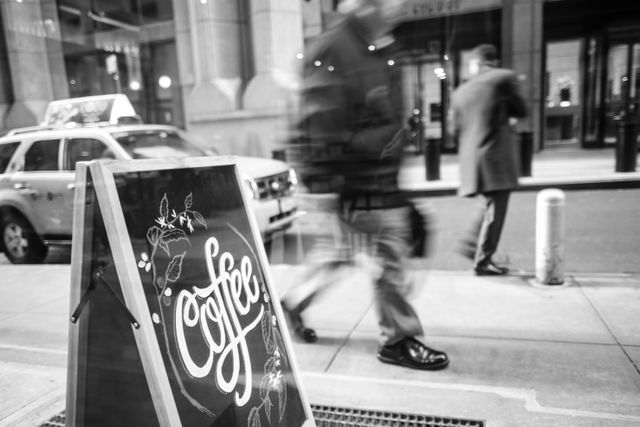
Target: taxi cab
[37,171]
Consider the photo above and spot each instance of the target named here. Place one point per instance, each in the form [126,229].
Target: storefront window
[435,61]
[622,91]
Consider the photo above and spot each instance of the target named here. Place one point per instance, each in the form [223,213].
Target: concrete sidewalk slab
[562,375]
[461,304]
[616,301]
[36,393]
[549,347]
[340,307]
[519,355]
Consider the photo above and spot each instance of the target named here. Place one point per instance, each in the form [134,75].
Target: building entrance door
[611,84]
[425,97]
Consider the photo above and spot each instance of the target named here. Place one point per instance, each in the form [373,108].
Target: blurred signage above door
[413,10]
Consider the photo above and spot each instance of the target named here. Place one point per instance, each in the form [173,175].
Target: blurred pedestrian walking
[483,109]
[350,140]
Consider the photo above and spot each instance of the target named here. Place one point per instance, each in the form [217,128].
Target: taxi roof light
[109,109]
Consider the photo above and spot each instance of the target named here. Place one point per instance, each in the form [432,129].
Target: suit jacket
[348,115]
[481,110]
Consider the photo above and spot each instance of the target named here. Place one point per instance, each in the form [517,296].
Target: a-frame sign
[174,317]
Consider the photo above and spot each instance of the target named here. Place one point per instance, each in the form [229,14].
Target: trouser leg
[389,231]
[495,211]
[321,269]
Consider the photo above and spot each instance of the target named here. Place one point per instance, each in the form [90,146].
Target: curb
[614,182]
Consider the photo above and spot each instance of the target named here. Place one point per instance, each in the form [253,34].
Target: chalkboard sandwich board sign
[174,317]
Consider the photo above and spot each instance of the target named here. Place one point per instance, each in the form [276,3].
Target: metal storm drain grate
[331,416]
[56,421]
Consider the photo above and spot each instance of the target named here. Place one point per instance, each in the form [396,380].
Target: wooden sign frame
[96,195]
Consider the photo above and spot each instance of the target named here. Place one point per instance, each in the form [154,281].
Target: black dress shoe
[295,320]
[413,354]
[490,269]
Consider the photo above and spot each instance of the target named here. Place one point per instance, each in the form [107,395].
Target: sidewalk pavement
[520,355]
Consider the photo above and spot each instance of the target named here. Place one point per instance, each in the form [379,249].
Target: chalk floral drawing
[273,384]
[161,236]
[144,262]
[170,230]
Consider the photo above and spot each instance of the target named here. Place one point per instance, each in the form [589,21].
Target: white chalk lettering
[217,309]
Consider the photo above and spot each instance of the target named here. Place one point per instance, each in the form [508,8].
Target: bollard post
[432,159]
[626,143]
[419,131]
[526,152]
[550,237]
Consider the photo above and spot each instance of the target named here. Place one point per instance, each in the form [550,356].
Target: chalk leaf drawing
[273,387]
[170,233]
[169,229]
[273,384]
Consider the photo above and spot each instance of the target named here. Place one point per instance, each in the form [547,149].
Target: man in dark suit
[483,108]
[349,133]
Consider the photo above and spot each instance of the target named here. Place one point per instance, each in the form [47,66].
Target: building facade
[578,62]
[226,69]
[219,68]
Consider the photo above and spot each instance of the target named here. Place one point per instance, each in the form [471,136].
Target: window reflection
[563,78]
[123,46]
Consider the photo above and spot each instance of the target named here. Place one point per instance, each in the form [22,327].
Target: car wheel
[21,243]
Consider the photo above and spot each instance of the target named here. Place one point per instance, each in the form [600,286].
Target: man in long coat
[482,110]
[349,134]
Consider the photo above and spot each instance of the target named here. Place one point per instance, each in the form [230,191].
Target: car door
[78,149]
[40,187]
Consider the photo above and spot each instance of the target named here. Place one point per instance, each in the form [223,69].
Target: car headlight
[293,178]
[251,188]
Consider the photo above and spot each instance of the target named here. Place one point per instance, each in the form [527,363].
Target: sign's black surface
[213,315]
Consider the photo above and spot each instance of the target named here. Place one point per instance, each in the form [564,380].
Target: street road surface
[602,233]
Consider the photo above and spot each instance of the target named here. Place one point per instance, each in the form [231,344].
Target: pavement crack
[347,338]
[602,319]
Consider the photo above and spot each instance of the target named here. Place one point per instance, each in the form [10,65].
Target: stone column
[55,52]
[35,58]
[311,18]
[276,27]
[522,51]
[211,49]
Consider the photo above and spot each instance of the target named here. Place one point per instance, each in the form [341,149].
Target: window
[123,46]
[159,143]
[84,149]
[6,151]
[42,156]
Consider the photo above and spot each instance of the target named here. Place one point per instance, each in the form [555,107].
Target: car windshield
[160,143]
